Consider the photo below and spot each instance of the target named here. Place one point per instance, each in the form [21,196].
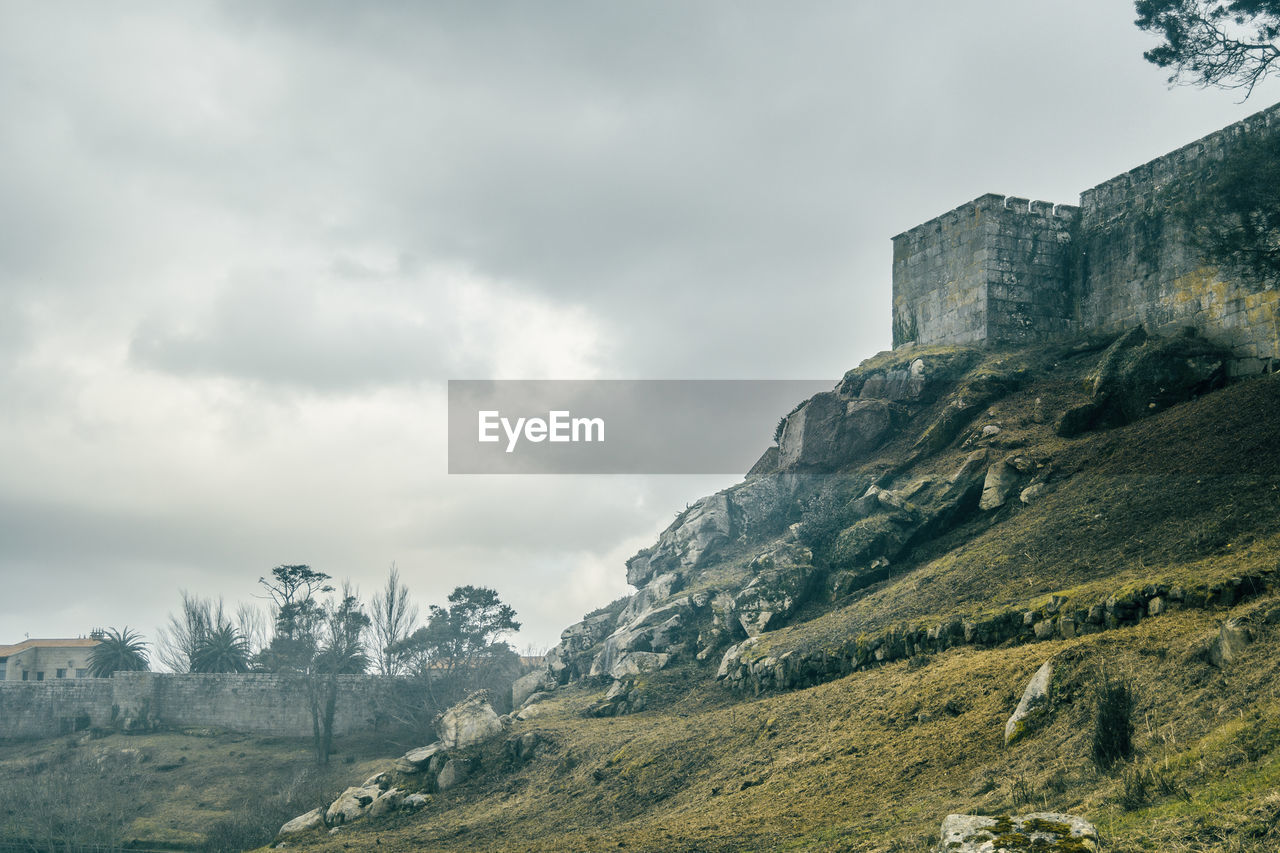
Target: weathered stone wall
[30,709]
[261,704]
[1005,270]
[939,278]
[1137,266]
[1027,271]
[994,269]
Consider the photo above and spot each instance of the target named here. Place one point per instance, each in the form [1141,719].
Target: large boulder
[350,805]
[527,685]
[387,802]
[1033,707]
[313,819]
[964,833]
[999,482]
[416,760]
[469,722]
[454,773]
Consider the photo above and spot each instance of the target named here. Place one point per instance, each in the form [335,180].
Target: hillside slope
[921,540]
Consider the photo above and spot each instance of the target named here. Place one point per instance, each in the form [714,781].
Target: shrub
[1113,724]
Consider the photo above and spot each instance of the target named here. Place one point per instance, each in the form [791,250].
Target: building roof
[74,643]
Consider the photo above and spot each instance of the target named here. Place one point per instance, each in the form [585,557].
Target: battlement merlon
[988,203]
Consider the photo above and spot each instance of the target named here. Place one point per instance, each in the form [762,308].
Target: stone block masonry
[255,703]
[1005,270]
[1138,267]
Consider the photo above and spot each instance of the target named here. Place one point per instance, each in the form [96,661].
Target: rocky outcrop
[695,536]
[829,431]
[910,379]
[784,580]
[732,567]
[622,697]
[656,630]
[1047,831]
[1140,375]
[452,774]
[970,398]
[527,685]
[418,760]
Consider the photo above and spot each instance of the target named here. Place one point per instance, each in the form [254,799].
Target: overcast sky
[243,245]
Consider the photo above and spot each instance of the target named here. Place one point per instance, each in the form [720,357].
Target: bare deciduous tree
[393,619]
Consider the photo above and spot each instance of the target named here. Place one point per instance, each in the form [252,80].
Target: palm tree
[117,651]
[221,649]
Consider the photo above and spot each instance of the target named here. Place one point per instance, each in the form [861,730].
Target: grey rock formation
[1033,706]
[631,664]
[527,685]
[350,805]
[415,801]
[388,801]
[313,819]
[1000,480]
[690,540]
[416,760]
[469,722]
[1233,637]
[829,431]
[454,773]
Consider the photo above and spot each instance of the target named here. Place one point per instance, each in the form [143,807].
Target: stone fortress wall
[1008,271]
[256,703]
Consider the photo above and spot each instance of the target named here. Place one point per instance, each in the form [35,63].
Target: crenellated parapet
[992,269]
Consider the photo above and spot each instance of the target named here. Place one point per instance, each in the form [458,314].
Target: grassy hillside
[1186,499]
[873,761]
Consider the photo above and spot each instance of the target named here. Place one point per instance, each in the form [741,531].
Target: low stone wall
[256,703]
[748,669]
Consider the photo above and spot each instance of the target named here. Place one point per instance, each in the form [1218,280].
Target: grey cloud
[279,331]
